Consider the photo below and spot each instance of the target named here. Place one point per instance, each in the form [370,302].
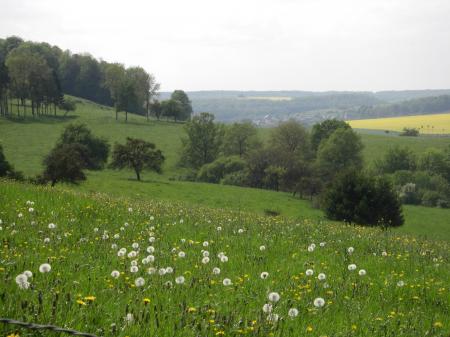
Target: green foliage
[138,155]
[323,130]
[65,163]
[203,142]
[95,149]
[397,158]
[67,105]
[5,167]
[172,109]
[357,198]
[240,139]
[340,152]
[410,132]
[185,104]
[437,162]
[214,172]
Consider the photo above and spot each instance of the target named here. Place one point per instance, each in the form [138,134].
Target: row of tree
[37,75]
[316,164]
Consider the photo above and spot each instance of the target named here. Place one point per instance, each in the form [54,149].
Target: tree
[156,109]
[67,105]
[126,97]
[214,172]
[397,158]
[171,108]
[65,163]
[322,131]
[340,152]
[94,150]
[186,106]
[410,132]
[356,198]
[5,167]
[138,155]
[240,139]
[204,138]
[436,162]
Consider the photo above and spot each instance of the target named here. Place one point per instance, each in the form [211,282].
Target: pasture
[433,124]
[117,267]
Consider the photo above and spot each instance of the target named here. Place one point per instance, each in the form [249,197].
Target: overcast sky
[252,45]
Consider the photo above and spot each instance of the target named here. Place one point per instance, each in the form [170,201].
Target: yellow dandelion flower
[81,302]
[146,300]
[438,324]
[309,329]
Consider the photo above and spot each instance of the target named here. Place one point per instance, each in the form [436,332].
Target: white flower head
[51,226]
[205,244]
[293,312]
[115,274]
[267,308]
[224,258]
[350,250]
[45,268]
[351,267]
[262,248]
[135,245]
[362,272]
[28,273]
[205,260]
[264,275]
[321,277]
[273,297]
[181,254]
[150,249]
[309,272]
[134,269]
[227,282]
[216,271]
[179,280]
[139,282]
[319,302]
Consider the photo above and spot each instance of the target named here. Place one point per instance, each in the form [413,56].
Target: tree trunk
[138,174]
[126,116]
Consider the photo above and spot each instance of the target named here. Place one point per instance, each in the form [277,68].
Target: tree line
[35,76]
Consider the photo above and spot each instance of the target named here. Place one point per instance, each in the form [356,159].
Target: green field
[399,285]
[26,142]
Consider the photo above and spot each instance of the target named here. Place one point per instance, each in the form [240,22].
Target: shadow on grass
[46,119]
[146,181]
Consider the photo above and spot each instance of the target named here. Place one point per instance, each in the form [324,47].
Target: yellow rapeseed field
[427,124]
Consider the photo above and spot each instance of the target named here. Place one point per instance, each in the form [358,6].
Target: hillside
[26,141]
[384,284]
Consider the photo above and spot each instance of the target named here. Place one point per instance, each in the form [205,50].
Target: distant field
[427,124]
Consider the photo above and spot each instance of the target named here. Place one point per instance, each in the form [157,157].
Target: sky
[317,45]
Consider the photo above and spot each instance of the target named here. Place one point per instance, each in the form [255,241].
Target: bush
[238,178]
[396,159]
[356,198]
[410,132]
[218,169]
[430,198]
[7,170]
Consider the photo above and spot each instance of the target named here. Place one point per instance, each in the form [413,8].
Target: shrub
[410,132]
[215,171]
[238,178]
[356,198]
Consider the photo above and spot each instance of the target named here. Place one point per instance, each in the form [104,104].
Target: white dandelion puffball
[350,250]
[169,270]
[116,236]
[151,271]
[31,209]
[181,254]
[115,274]
[96,229]
[114,246]
[240,231]
[224,259]
[322,244]
[205,253]
[120,253]
[134,269]
[267,308]
[351,267]
[205,244]
[384,254]
[24,285]
[151,239]
[272,317]
[262,248]
[362,272]
[130,209]
[20,215]
[45,268]
[273,297]
[226,282]
[135,245]
[162,271]
[219,229]
[319,302]
[134,263]
[139,282]
[150,249]
[309,272]
[46,240]
[150,258]
[179,280]
[310,249]
[21,278]
[264,275]
[293,312]
[129,318]
[205,260]
[168,284]
[132,254]
[321,277]
[216,271]
[51,226]
[28,273]
[400,283]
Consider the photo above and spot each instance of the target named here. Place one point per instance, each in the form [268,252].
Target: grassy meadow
[427,124]
[27,141]
[121,267]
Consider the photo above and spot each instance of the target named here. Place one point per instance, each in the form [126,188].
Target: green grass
[79,291]
[27,141]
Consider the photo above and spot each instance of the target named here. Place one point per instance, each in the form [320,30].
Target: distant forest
[311,107]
